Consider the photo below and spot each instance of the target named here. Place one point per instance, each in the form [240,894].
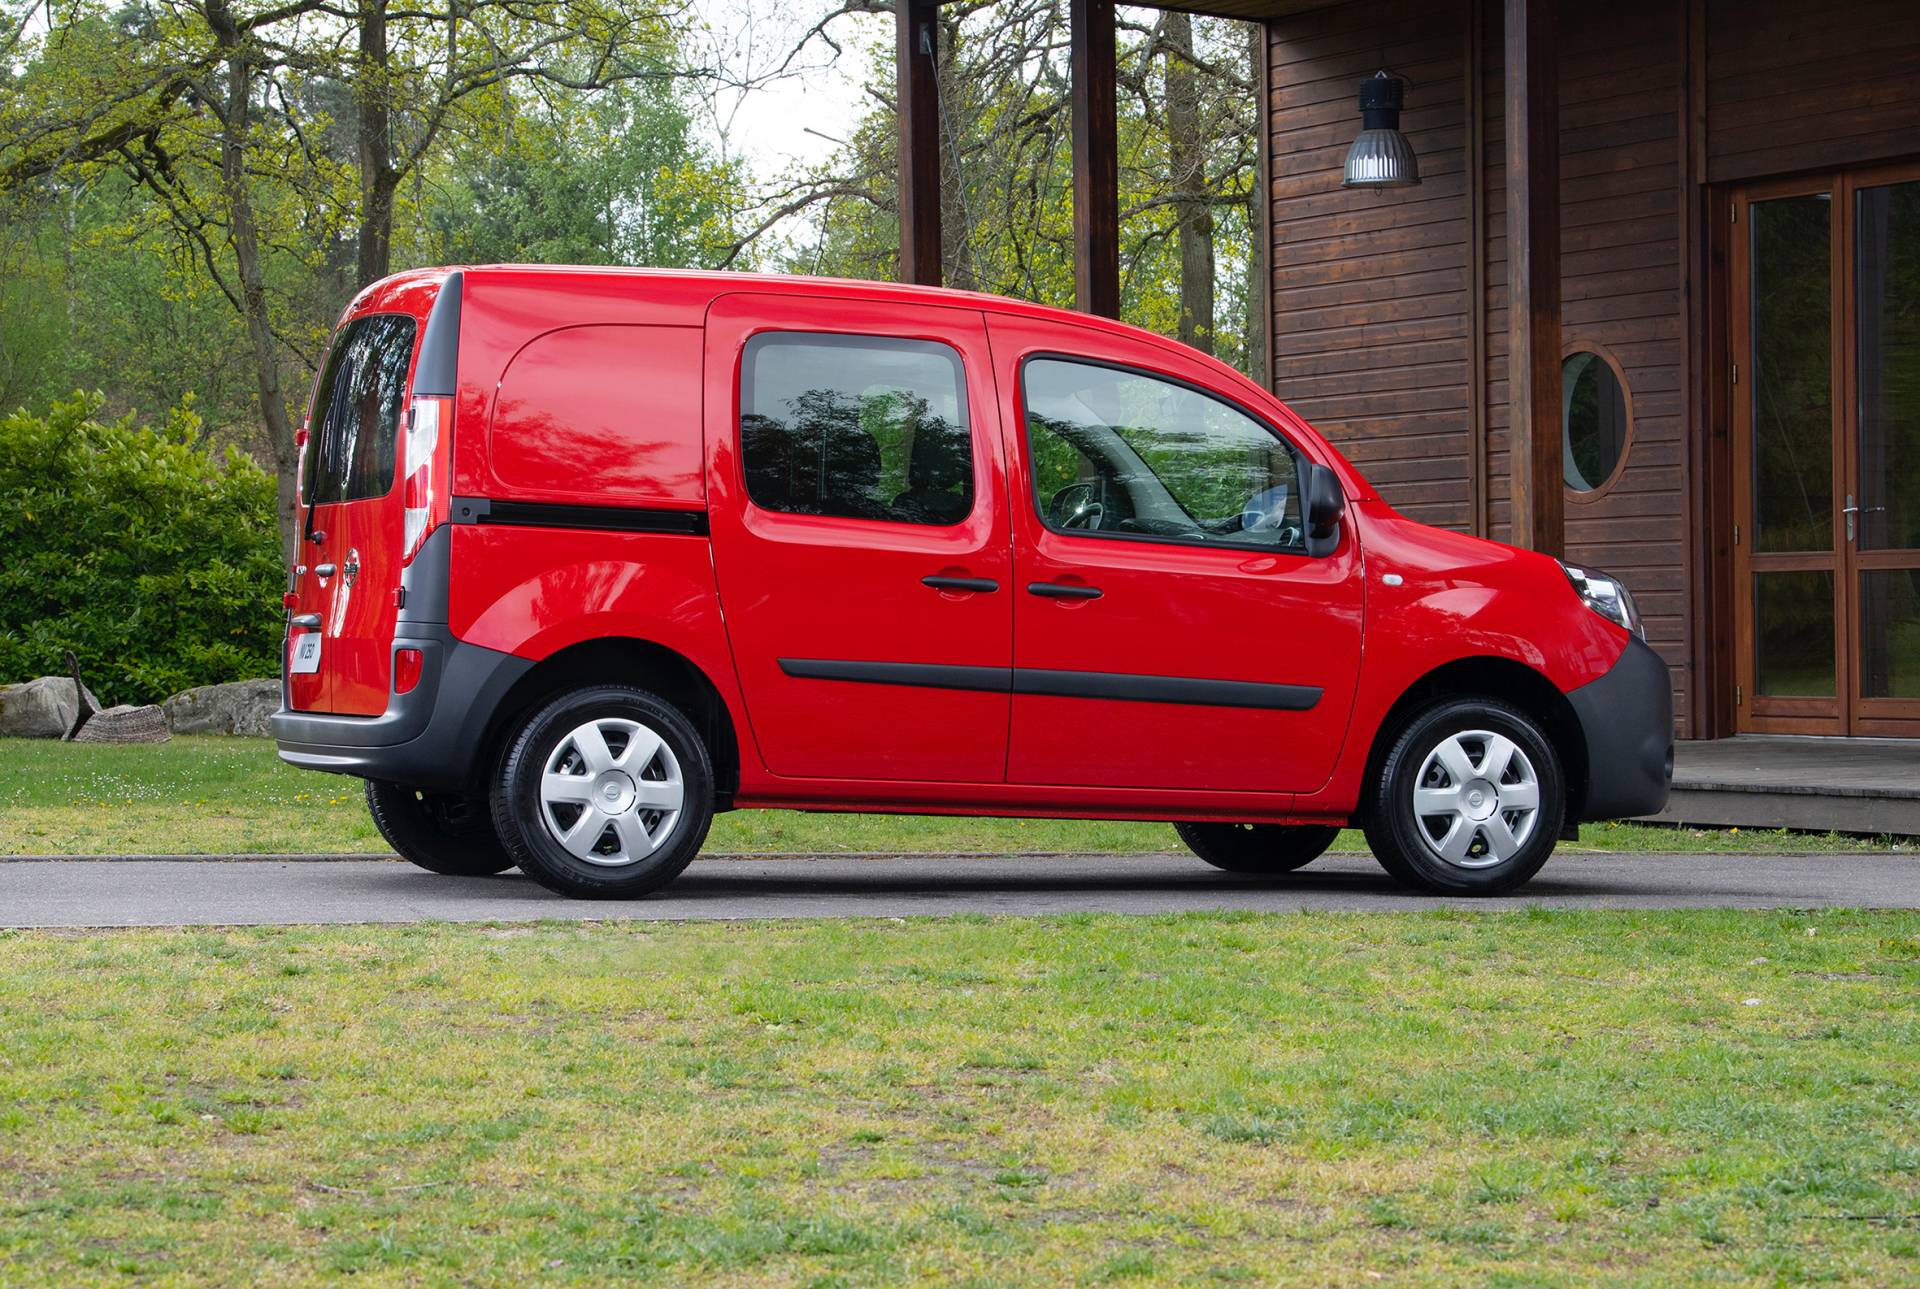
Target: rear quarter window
[354,427]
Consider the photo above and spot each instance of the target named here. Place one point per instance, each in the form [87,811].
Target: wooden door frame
[1753,712]
[1847,712]
[1870,717]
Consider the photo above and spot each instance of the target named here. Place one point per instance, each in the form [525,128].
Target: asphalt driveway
[266,891]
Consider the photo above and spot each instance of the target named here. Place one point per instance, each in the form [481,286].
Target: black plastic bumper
[1626,717]
[429,737]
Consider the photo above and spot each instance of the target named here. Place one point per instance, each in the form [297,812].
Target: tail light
[425,489]
[406,670]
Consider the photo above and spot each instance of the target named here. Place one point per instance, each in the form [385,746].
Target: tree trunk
[373,140]
[1187,157]
[1259,227]
[246,255]
[955,232]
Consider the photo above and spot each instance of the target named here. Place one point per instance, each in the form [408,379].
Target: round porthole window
[1593,420]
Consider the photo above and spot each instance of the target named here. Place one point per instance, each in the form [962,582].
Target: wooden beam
[1475,56]
[1096,163]
[1533,275]
[917,30]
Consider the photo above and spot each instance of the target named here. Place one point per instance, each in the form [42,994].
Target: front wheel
[1469,800]
[605,793]
[1257,849]
[452,835]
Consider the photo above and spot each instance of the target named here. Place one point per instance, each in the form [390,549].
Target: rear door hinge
[1736,373]
[1739,698]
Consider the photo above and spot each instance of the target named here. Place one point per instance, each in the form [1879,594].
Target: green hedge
[151,556]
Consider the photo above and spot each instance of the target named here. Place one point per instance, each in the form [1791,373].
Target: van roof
[692,290]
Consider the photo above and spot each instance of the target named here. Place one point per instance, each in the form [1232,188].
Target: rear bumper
[430,737]
[1626,718]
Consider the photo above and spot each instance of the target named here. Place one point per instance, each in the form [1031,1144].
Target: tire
[446,834]
[1264,850]
[643,838]
[1471,843]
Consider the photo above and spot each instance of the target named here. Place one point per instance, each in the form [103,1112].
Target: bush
[152,557]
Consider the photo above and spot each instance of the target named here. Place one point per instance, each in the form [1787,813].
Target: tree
[221,111]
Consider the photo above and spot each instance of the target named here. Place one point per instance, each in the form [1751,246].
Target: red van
[587,555]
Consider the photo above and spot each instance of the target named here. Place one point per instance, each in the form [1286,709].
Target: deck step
[1824,785]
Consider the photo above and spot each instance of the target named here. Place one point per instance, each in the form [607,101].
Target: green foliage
[152,557]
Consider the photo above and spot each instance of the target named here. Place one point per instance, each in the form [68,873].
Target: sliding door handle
[1063,591]
[979,584]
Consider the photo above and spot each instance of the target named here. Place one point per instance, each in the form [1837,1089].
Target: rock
[240,707]
[43,708]
[125,724]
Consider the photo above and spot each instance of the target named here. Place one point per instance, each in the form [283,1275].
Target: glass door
[1826,406]
[1882,516]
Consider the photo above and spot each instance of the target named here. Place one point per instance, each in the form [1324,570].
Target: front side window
[858,427]
[355,425]
[1119,452]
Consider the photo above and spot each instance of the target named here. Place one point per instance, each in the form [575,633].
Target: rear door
[351,538]
[860,536]
[1170,630]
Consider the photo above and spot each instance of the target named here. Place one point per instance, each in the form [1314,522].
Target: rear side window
[859,427]
[355,425]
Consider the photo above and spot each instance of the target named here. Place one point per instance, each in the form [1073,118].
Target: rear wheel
[441,833]
[1469,800]
[1257,848]
[606,792]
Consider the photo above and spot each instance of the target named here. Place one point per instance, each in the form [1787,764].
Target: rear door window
[862,427]
[354,429]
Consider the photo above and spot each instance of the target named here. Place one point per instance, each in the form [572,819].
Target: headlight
[1606,596]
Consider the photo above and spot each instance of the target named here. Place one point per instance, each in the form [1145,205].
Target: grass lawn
[1492,1098]
[203,795]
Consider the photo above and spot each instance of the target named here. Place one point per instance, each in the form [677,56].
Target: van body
[586,555]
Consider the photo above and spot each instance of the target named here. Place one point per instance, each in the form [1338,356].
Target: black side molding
[620,519]
[1184,690]
[926,675]
[1180,690]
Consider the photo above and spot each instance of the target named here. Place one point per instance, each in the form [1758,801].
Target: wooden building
[1655,305]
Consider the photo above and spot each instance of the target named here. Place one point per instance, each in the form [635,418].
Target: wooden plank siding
[1803,87]
[1372,318]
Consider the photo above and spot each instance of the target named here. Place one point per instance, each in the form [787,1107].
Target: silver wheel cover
[1476,801]
[611,792]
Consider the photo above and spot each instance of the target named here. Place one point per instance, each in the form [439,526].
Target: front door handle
[980,584]
[307,620]
[1063,591]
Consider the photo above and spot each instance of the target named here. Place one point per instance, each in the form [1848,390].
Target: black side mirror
[1325,503]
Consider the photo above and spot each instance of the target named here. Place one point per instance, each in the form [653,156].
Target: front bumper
[430,737]
[1626,718]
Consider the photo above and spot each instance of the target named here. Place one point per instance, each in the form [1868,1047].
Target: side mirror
[1324,504]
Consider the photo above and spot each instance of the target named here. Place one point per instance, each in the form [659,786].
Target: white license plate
[306,654]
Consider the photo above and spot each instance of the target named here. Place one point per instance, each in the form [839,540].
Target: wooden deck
[1823,784]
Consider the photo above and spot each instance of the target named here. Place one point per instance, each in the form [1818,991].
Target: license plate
[306,654]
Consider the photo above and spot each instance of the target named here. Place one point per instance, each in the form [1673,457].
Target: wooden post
[1096,162]
[1533,275]
[918,33]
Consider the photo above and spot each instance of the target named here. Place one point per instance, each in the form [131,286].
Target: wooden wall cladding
[1372,312]
[1794,86]
[1369,288]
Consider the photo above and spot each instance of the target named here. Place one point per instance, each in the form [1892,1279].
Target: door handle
[307,620]
[324,570]
[979,584]
[1063,591]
